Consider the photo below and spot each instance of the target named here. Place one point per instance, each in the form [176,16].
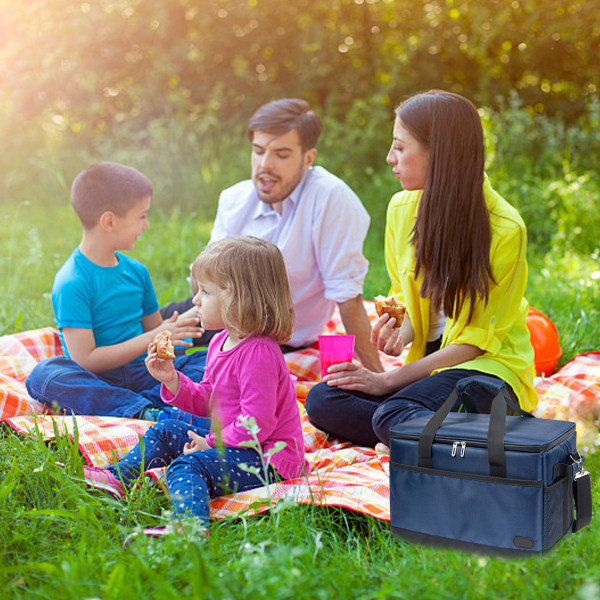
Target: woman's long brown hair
[451,234]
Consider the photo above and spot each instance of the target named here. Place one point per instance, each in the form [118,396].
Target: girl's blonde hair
[256,297]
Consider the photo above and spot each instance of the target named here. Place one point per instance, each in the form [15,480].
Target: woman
[456,253]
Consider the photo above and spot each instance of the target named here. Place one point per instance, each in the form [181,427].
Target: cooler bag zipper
[476,444]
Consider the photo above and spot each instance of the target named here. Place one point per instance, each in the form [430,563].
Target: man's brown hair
[107,186]
[280,116]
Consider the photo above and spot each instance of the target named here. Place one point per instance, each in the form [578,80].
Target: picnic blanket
[341,474]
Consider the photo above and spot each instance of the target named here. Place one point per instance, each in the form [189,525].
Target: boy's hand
[189,313]
[182,327]
[197,443]
[162,369]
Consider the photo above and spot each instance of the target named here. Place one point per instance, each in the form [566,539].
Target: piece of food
[164,345]
[392,307]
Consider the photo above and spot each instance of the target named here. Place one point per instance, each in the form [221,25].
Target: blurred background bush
[167,86]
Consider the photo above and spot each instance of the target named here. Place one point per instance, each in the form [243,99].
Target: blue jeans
[192,479]
[120,392]
[367,420]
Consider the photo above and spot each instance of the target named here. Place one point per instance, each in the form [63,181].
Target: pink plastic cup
[335,349]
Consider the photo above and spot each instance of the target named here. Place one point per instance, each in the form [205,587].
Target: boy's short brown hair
[256,298]
[280,116]
[107,186]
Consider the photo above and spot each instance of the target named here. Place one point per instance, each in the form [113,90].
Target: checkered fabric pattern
[305,364]
[573,394]
[101,440]
[19,353]
[341,474]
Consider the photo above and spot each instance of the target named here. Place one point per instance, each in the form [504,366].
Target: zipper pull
[463,448]
[454,447]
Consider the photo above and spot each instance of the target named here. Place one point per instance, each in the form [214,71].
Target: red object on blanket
[545,341]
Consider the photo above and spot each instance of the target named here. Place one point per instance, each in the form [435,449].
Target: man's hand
[182,326]
[356,322]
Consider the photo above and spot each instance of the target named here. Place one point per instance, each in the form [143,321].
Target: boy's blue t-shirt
[109,300]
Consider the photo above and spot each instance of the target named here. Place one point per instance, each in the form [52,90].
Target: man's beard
[285,191]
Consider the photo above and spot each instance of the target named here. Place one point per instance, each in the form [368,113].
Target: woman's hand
[198,443]
[350,376]
[387,338]
[162,369]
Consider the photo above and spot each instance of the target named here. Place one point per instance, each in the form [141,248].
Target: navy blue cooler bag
[488,483]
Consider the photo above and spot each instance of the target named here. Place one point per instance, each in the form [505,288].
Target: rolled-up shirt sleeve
[339,231]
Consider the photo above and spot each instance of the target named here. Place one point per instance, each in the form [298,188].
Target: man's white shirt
[320,232]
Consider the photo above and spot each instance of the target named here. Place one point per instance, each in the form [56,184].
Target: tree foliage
[81,68]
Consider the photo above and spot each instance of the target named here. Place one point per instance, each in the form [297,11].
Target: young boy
[106,309]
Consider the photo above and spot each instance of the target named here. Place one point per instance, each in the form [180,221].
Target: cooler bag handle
[496,454]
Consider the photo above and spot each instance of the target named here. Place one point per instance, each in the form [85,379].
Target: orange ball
[545,341]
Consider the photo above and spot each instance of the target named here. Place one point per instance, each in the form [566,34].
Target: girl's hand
[162,369]
[350,376]
[198,443]
[385,337]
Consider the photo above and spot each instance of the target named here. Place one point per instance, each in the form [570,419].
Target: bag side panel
[558,511]
[477,510]
[558,454]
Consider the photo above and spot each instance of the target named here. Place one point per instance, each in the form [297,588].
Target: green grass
[58,540]
[566,286]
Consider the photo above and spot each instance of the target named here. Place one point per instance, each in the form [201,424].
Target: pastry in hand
[392,307]
[164,345]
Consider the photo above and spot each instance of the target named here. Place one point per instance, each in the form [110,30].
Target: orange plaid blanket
[341,474]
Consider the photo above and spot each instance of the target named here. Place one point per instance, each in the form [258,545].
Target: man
[315,219]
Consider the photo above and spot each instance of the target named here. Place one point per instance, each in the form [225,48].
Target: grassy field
[57,540]
[60,541]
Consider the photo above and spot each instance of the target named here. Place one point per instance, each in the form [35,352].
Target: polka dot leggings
[192,479]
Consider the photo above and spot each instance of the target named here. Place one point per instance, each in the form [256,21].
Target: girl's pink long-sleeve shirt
[249,380]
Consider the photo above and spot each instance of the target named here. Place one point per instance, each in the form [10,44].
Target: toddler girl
[242,289]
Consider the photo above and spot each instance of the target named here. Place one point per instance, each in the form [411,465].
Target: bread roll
[392,307]
[164,345]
